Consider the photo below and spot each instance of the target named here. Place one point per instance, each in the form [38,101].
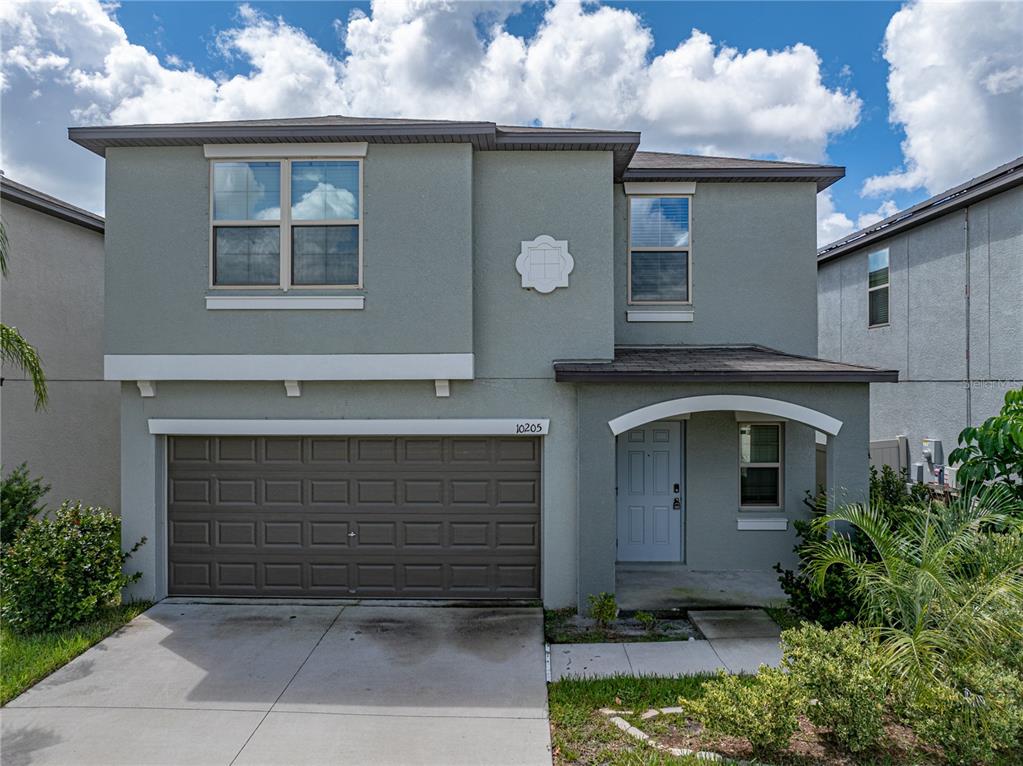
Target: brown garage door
[454,517]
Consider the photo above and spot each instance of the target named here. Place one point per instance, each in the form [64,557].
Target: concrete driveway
[222,684]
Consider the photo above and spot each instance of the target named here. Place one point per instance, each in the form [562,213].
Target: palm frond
[4,249]
[15,350]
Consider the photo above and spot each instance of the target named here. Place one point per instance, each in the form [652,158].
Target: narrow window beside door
[760,451]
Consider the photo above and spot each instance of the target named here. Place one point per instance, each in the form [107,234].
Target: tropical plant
[993,451]
[14,349]
[19,501]
[938,587]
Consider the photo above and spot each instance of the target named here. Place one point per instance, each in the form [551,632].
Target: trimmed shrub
[61,571]
[603,609]
[763,709]
[19,501]
[835,669]
[977,712]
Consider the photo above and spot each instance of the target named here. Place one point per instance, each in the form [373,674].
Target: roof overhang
[823,176]
[20,194]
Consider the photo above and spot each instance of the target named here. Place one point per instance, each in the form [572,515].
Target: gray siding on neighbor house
[712,539]
[945,383]
[519,196]
[753,269]
[417,255]
[53,294]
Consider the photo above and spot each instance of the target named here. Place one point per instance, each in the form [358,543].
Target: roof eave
[51,206]
[754,376]
[824,176]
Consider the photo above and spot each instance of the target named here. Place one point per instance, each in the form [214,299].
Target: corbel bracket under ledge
[442,387]
[293,388]
[147,388]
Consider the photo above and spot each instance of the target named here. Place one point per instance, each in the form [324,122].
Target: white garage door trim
[351,427]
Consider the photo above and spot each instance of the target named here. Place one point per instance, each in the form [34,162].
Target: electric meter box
[933,451]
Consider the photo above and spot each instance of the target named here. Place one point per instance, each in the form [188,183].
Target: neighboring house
[413,358]
[936,292]
[53,294]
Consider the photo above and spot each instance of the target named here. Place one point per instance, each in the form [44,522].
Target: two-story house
[935,292]
[416,358]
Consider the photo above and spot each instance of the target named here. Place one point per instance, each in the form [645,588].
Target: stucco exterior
[443,225]
[53,294]
[955,321]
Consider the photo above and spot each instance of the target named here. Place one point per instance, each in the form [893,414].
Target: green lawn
[582,735]
[27,658]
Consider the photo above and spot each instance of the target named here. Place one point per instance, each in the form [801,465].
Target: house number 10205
[529,428]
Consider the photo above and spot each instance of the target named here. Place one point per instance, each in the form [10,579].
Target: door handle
[677,504]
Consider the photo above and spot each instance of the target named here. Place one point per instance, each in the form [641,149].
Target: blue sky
[871,98]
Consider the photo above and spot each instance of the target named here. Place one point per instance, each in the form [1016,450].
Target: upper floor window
[760,448]
[659,250]
[286,223]
[877,288]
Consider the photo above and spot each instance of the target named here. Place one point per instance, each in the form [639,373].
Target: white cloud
[955,87]
[832,224]
[585,65]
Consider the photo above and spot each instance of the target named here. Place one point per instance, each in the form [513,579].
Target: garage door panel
[391,516]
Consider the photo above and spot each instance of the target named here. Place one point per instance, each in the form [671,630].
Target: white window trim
[753,524]
[525,427]
[688,250]
[348,150]
[658,316]
[780,465]
[886,286]
[289,302]
[659,188]
[285,224]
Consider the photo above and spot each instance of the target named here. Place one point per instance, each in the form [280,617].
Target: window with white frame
[659,250]
[286,223]
[760,465]
[877,288]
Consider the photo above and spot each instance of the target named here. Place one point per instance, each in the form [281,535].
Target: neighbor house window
[286,223]
[760,484]
[659,250]
[877,288]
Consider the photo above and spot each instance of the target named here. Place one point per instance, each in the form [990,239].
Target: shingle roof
[628,163]
[739,363]
[993,182]
[12,191]
[666,166]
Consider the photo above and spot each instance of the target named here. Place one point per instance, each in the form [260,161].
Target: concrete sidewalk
[737,641]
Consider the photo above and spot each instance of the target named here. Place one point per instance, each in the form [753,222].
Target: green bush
[993,451]
[62,570]
[19,501]
[648,621]
[763,710]
[603,609]
[975,713]
[836,672]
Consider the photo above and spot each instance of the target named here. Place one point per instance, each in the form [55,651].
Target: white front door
[650,513]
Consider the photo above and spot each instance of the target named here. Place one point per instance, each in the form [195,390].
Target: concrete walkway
[294,684]
[738,641]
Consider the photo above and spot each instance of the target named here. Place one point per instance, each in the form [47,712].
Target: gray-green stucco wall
[712,540]
[53,294]
[954,365]
[753,269]
[417,260]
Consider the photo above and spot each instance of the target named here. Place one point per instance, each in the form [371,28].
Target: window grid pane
[246,255]
[322,190]
[659,275]
[878,306]
[659,221]
[325,255]
[246,191]
[759,486]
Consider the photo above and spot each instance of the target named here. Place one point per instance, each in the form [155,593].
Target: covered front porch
[694,463]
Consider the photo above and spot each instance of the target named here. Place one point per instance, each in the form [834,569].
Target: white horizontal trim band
[762,525]
[351,427]
[287,366]
[245,151]
[290,302]
[660,187]
[658,316]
